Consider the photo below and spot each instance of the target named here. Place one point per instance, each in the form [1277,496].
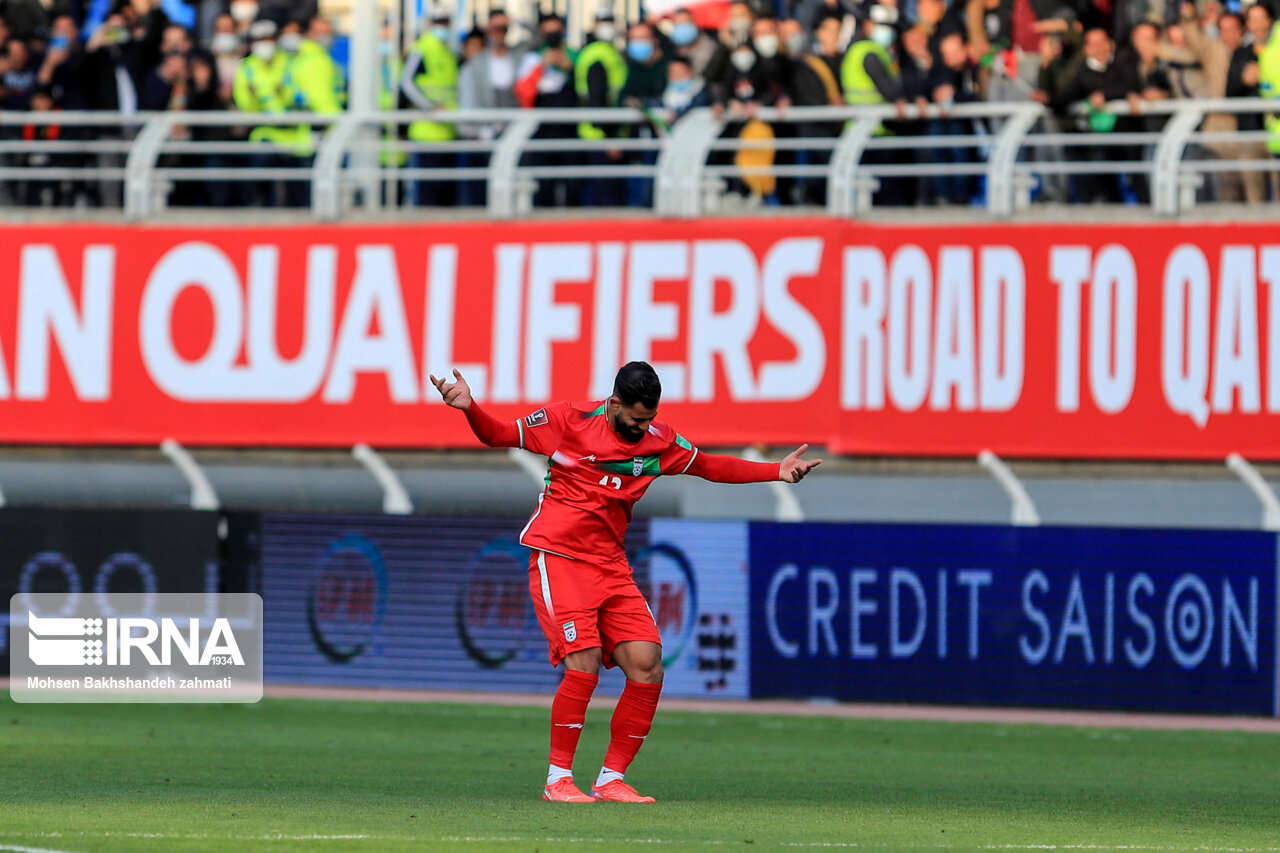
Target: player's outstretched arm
[487,428]
[731,469]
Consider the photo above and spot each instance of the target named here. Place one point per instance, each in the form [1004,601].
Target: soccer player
[603,456]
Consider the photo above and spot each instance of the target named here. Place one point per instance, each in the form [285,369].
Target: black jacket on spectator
[68,83]
[1128,66]
[1082,81]
[915,78]
[100,74]
[30,19]
[765,83]
[807,88]
[1237,88]
[964,81]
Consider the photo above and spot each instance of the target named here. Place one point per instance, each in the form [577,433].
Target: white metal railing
[363,159]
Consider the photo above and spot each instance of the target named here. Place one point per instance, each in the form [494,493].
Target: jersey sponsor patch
[570,631]
[538,418]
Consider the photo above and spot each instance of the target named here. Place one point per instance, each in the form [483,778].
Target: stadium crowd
[266,57]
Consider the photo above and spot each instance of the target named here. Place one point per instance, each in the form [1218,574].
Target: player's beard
[628,433]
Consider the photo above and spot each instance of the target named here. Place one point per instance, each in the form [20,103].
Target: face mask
[739,28]
[325,41]
[1095,64]
[743,60]
[797,44]
[553,39]
[224,43]
[767,46]
[684,33]
[640,51]
[290,42]
[679,94]
[605,32]
[441,32]
[883,35]
[244,13]
[59,43]
[264,50]
[384,49]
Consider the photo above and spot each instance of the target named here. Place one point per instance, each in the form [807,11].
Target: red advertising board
[1155,341]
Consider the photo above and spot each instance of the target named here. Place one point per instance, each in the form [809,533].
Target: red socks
[568,710]
[631,722]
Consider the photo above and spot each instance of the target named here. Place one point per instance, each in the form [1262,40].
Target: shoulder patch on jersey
[683,442]
[538,418]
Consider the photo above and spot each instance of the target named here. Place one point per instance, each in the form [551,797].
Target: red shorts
[583,605]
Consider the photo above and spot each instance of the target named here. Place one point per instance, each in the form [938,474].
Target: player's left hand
[794,469]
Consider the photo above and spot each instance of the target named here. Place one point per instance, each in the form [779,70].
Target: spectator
[62,70]
[953,80]
[17,77]
[915,66]
[228,49]
[1093,81]
[44,192]
[116,55]
[160,83]
[600,76]
[486,81]
[545,78]
[646,82]
[868,75]
[1231,32]
[473,43]
[684,91]
[826,36]
[1144,79]
[691,43]
[760,78]
[429,81]
[258,91]
[1144,75]
[646,77]
[814,84]
[1214,57]
[735,35]
[1269,86]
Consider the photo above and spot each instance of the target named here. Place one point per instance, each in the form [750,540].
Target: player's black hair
[637,382]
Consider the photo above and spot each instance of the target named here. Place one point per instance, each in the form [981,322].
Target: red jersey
[594,478]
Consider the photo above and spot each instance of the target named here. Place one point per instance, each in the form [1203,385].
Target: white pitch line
[525,839]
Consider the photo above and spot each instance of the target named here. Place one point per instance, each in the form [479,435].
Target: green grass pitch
[309,775]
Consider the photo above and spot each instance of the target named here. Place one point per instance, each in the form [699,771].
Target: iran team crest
[637,466]
[570,631]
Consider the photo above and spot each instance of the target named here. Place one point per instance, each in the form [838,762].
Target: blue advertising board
[443,603]
[1161,620]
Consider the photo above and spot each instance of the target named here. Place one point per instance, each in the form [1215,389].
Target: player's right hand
[456,393]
